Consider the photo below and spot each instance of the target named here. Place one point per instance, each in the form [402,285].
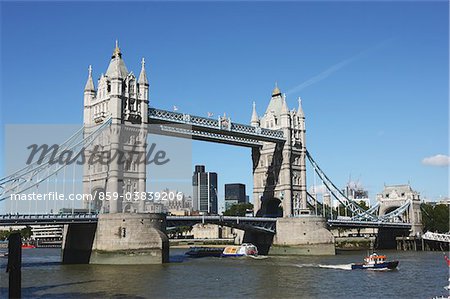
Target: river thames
[419,275]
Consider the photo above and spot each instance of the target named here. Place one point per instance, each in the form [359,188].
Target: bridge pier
[130,239]
[304,235]
[120,238]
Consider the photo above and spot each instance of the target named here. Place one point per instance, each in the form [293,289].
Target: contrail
[335,68]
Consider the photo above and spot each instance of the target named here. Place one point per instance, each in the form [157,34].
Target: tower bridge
[117,118]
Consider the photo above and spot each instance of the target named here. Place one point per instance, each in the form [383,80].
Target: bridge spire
[276,91]
[255,119]
[117,53]
[89,83]
[284,106]
[300,109]
[143,74]
[117,68]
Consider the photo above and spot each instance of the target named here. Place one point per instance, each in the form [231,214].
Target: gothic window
[131,89]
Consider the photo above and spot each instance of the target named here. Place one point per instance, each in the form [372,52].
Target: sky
[373,76]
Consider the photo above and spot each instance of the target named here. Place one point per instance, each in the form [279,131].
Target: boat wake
[258,257]
[336,267]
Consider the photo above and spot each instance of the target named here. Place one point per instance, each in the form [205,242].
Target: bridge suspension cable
[359,214]
[348,203]
[44,168]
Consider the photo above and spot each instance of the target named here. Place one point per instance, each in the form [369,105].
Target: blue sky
[373,76]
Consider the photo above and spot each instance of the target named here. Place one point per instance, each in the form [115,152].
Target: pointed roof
[143,75]
[300,109]
[89,83]
[117,68]
[275,104]
[255,118]
[276,91]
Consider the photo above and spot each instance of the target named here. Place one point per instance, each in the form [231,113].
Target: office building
[204,186]
[234,194]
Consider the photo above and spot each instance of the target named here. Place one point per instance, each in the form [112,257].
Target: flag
[175,108]
[210,114]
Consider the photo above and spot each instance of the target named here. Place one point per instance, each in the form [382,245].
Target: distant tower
[204,185]
[279,171]
[125,101]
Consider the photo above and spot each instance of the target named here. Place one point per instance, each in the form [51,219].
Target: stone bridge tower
[279,170]
[123,99]
[393,197]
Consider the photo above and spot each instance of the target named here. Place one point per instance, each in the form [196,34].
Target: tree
[239,209]
[435,218]
[363,205]
[24,232]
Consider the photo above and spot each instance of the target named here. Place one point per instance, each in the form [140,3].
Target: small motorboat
[205,251]
[28,246]
[245,249]
[375,261]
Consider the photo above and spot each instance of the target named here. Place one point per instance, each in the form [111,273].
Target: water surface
[420,275]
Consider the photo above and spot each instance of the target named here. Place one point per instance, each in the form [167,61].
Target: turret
[89,96]
[284,114]
[143,91]
[255,119]
[300,112]
[116,72]
[89,83]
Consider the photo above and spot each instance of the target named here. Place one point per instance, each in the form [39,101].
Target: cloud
[437,160]
[336,67]
[320,189]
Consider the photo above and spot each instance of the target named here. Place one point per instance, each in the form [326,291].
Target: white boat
[245,249]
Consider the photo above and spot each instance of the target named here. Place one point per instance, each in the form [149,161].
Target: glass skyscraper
[204,186]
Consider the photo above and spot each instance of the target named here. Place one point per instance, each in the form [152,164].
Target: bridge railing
[436,237]
[47,216]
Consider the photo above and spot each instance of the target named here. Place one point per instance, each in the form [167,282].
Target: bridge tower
[279,170]
[393,197]
[123,234]
[124,99]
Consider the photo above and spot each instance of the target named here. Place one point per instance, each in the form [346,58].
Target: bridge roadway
[367,224]
[262,224]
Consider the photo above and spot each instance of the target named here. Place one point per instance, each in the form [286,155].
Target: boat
[375,261]
[28,246]
[245,249]
[3,254]
[205,251]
